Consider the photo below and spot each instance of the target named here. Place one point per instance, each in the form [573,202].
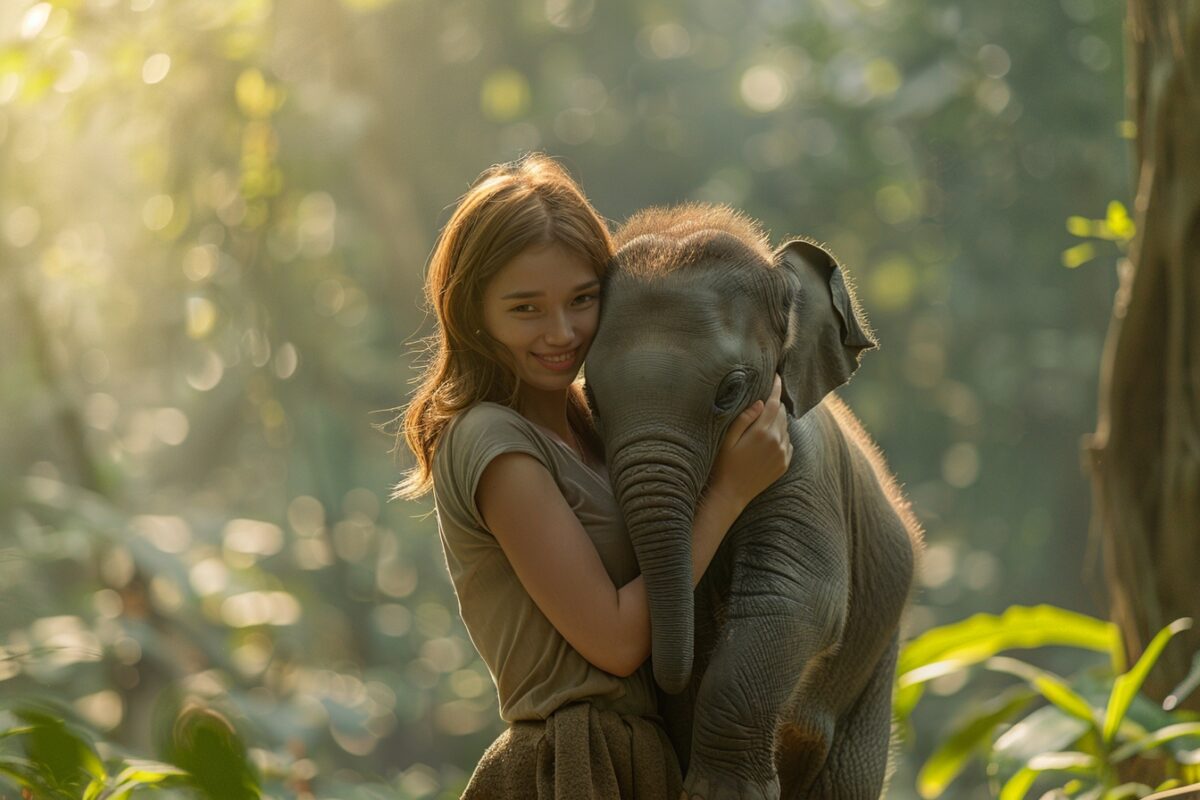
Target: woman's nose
[560,331]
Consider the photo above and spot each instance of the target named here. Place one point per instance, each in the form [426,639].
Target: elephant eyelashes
[730,392]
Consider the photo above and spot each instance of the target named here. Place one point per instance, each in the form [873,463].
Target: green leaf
[1185,687]
[1078,255]
[952,755]
[1048,685]
[982,636]
[909,686]
[17,768]
[95,789]
[1152,740]
[1128,684]
[1063,761]
[1127,790]
[1019,784]
[207,746]
[60,751]
[1120,226]
[1016,787]
[978,638]
[1048,729]
[139,773]
[144,771]
[1079,226]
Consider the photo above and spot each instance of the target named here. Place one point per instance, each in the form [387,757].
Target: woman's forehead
[543,268]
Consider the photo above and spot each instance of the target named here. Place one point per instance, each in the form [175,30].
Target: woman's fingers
[742,423]
[765,416]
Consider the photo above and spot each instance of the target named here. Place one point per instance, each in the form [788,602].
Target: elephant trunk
[657,493]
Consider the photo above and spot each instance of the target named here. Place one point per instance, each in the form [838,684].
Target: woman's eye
[584,299]
[524,308]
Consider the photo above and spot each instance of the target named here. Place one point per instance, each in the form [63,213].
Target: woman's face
[543,306]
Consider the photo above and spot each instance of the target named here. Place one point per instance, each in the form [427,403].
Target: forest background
[214,220]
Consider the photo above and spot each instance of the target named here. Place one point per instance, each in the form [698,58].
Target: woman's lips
[559,362]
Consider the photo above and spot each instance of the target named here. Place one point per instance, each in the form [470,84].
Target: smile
[558,362]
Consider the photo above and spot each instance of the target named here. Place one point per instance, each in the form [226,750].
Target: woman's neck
[548,409]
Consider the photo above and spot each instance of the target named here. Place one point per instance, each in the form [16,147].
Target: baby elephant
[779,668]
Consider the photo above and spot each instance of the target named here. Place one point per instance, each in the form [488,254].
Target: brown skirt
[579,753]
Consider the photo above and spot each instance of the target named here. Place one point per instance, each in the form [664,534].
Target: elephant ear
[825,333]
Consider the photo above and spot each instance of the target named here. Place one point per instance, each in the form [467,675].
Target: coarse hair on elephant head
[699,314]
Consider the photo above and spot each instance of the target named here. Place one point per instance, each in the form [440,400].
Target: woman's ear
[826,333]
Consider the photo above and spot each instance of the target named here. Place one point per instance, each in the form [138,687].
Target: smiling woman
[543,306]
[547,581]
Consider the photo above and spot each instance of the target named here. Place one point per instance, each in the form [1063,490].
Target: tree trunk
[1145,453]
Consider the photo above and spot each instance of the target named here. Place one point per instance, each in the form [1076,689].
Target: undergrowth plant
[1071,737]
[51,756]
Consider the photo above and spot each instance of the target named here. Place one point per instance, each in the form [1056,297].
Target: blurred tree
[1145,454]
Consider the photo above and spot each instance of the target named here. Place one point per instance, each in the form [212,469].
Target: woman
[546,579]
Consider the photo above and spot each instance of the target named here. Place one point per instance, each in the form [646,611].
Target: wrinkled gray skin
[778,671]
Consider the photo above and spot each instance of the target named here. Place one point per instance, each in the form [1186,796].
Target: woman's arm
[558,564]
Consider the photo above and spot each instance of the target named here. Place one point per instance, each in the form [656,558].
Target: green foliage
[1091,723]
[206,745]
[58,760]
[950,648]
[1116,227]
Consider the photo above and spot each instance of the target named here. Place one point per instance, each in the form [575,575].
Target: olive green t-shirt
[534,668]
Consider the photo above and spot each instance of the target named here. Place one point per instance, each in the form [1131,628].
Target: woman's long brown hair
[509,208]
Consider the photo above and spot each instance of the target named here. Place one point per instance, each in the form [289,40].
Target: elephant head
[698,314]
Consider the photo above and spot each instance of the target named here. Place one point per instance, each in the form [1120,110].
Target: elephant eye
[730,392]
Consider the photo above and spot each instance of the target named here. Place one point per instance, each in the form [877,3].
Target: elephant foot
[727,787]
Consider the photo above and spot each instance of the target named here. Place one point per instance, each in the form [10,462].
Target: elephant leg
[771,632]
[859,760]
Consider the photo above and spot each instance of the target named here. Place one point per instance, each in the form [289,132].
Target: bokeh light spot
[665,41]
[937,565]
[881,77]
[209,576]
[392,619]
[505,95]
[286,360]
[994,60]
[205,369]
[960,465]
[201,318]
[200,262]
[253,537]
[35,20]
[104,709]
[170,534]
[764,88]
[891,284]
[157,212]
[155,68]
[894,204]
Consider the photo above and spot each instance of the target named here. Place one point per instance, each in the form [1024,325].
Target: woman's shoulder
[474,437]
[484,427]
[485,419]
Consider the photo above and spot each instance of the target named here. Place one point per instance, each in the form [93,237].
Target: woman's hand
[755,452]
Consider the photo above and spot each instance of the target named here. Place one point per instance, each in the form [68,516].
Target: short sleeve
[473,439]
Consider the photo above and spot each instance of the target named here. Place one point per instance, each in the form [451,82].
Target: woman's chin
[548,381]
